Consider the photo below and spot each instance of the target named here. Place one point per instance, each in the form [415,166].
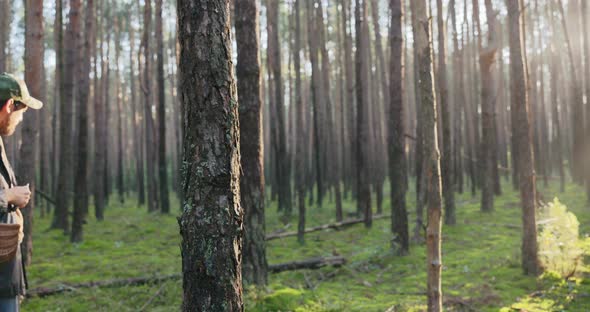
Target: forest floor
[481,257]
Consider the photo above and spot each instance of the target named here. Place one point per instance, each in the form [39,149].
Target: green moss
[481,262]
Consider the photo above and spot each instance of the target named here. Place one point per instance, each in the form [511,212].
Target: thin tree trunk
[317,99]
[397,159]
[99,131]
[446,158]
[577,164]
[120,171]
[519,103]
[163,169]
[34,56]
[422,36]
[362,147]
[330,155]
[5,19]
[81,178]
[136,125]
[558,138]
[586,50]
[255,266]
[59,67]
[65,179]
[300,145]
[283,170]
[487,59]
[149,122]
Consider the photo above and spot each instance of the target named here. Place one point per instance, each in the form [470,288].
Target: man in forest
[14,101]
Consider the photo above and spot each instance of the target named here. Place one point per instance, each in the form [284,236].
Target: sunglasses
[19,105]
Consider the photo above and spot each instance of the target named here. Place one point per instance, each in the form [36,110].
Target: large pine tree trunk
[397,159]
[252,179]
[65,179]
[34,56]
[163,172]
[211,222]
[523,140]
[424,60]
[81,177]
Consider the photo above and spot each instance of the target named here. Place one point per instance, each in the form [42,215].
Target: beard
[5,127]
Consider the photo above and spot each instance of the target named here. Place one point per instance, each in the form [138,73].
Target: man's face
[10,116]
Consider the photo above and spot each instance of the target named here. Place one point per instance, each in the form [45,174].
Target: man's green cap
[16,89]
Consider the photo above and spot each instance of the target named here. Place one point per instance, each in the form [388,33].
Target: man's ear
[7,108]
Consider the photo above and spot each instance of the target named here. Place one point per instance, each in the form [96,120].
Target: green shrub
[558,239]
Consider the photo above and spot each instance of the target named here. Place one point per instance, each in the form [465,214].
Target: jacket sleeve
[3,202]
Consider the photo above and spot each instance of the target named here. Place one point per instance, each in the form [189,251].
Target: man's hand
[18,195]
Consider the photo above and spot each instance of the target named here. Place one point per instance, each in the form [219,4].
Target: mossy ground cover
[481,256]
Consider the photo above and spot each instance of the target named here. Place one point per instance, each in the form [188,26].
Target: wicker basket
[8,241]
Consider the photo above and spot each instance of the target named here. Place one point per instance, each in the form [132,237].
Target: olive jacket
[12,273]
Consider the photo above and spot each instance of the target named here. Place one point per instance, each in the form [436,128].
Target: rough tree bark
[255,266]
[396,138]
[211,222]
[422,35]
[522,137]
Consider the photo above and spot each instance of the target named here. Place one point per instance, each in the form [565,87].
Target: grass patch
[481,262]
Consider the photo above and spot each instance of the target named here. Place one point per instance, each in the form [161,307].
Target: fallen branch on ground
[335,226]
[510,226]
[43,292]
[312,264]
